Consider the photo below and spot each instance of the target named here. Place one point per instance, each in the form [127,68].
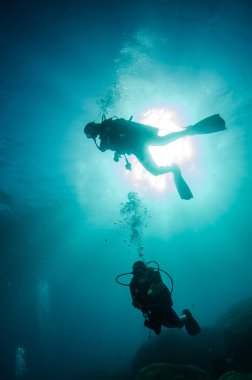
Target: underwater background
[65,230]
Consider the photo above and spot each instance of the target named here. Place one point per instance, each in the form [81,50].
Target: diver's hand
[105,143]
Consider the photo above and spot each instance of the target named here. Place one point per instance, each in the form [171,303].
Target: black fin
[211,124]
[182,187]
[191,325]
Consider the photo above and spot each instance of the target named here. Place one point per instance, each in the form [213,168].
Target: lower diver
[151,296]
[126,137]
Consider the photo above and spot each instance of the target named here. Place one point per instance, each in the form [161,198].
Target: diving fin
[211,124]
[181,185]
[191,325]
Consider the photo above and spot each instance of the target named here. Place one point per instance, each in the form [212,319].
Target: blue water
[62,243]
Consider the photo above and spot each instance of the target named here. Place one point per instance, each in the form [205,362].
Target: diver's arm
[135,301]
[104,144]
[137,304]
[106,128]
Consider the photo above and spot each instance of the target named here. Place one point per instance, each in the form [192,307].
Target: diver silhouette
[151,296]
[126,137]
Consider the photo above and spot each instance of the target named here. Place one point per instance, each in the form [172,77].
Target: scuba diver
[126,137]
[151,296]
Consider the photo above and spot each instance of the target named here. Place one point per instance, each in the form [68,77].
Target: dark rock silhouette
[177,347]
[233,375]
[164,371]
[236,325]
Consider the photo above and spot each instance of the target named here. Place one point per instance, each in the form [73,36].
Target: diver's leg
[144,157]
[164,140]
[172,319]
[153,325]
[211,124]
[153,321]
[148,163]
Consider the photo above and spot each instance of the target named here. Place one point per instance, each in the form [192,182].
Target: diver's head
[91,130]
[140,270]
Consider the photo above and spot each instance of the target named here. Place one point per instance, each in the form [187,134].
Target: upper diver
[127,137]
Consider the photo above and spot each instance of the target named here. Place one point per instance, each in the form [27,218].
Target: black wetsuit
[153,298]
[125,136]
